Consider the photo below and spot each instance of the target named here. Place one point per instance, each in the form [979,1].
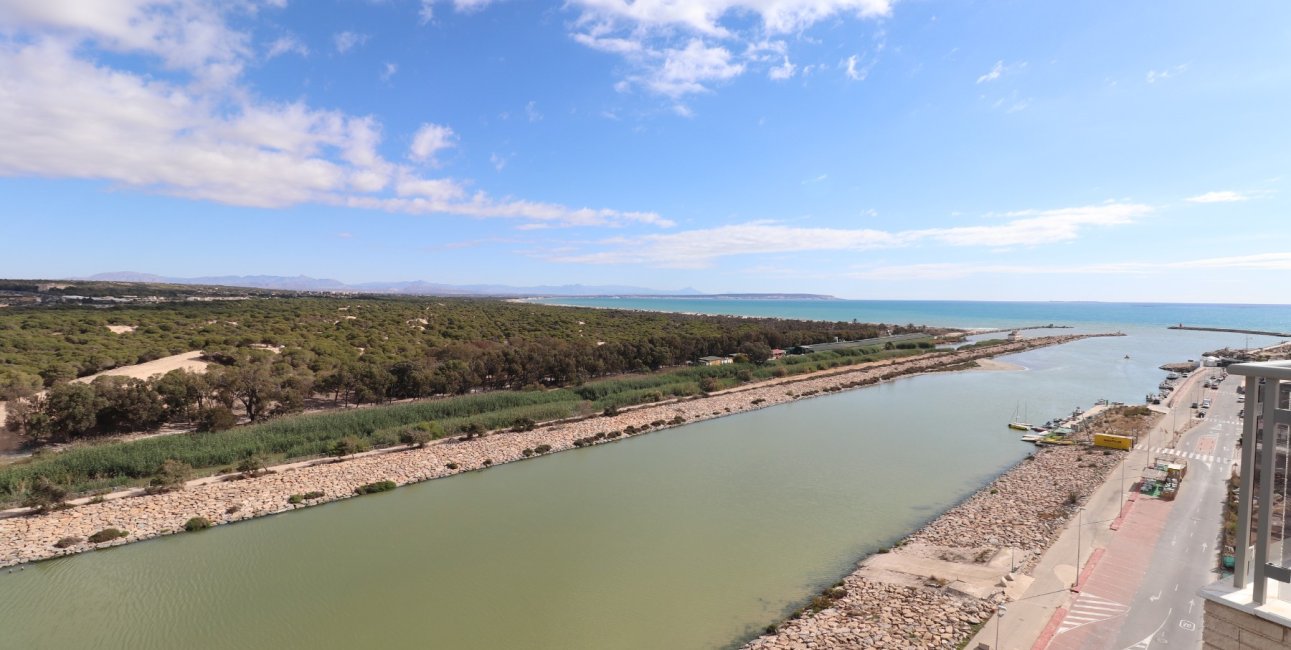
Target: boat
[1031,438]
[1038,429]
[1019,425]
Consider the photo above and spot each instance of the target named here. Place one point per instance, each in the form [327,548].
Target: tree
[44,495]
[127,404]
[183,392]
[172,475]
[72,409]
[415,437]
[756,351]
[252,466]
[58,373]
[347,446]
[27,417]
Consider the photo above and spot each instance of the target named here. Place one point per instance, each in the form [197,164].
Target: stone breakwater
[31,538]
[1025,508]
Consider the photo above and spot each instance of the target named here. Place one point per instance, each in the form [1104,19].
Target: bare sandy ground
[187,361]
[996,364]
[121,329]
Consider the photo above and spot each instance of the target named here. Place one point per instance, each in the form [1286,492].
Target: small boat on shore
[1031,438]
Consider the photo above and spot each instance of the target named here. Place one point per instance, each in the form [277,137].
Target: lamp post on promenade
[999,620]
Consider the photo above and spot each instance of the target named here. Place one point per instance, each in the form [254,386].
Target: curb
[1050,629]
[1089,568]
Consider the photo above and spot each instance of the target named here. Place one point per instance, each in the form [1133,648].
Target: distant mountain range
[415,287]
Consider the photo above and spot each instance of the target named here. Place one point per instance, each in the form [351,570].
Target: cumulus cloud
[67,112]
[346,41]
[700,248]
[429,140]
[679,48]
[286,44]
[1218,197]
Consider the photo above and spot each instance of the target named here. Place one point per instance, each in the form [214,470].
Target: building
[1252,609]
[715,361]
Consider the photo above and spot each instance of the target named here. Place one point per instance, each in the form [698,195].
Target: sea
[967,314]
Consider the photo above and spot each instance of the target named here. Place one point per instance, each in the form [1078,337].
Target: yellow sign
[1113,441]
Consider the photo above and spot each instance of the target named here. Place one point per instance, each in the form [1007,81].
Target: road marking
[1147,641]
[1188,625]
[1153,599]
[1088,609]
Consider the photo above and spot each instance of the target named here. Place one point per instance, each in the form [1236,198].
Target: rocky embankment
[31,538]
[1025,508]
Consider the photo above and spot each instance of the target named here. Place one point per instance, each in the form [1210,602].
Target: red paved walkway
[1097,613]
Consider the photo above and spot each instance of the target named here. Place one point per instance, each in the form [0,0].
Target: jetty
[1050,326]
[1181,326]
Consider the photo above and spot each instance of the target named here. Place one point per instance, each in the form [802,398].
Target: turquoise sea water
[949,313]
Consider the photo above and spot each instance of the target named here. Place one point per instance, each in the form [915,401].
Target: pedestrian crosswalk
[1089,608]
[1205,458]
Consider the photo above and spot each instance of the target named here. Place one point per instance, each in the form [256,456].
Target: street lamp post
[999,620]
[1079,528]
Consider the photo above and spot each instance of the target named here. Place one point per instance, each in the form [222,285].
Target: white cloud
[950,271]
[706,16]
[1001,69]
[346,41]
[849,68]
[531,111]
[429,140]
[426,10]
[680,48]
[287,44]
[1154,76]
[66,112]
[783,71]
[1218,197]
[388,70]
[699,248]
[994,74]
[499,161]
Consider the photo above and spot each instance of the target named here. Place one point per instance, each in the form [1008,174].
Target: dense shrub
[44,495]
[379,486]
[196,524]
[171,476]
[68,541]
[296,499]
[315,494]
[542,449]
[107,535]
[215,418]
[415,437]
[451,466]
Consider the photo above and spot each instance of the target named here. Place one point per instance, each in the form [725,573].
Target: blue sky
[862,148]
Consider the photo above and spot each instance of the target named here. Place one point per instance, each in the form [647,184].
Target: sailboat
[1018,424]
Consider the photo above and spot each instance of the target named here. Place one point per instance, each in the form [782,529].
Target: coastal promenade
[221,500]
[1140,560]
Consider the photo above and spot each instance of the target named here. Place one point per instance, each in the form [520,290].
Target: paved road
[1166,609]
[1142,593]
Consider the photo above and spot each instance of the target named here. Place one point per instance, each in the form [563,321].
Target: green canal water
[695,537]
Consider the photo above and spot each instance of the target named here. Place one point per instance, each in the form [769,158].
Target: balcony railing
[1262,554]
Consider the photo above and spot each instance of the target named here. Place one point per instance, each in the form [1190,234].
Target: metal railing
[1260,557]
